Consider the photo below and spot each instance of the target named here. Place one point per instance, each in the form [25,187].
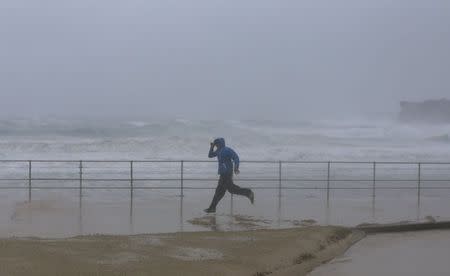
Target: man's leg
[218,195]
[235,189]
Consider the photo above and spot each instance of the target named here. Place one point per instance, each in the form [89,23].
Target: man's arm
[235,159]
[212,153]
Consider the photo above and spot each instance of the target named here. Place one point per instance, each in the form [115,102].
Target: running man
[226,157]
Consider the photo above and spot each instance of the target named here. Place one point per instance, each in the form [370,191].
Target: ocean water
[156,205]
[350,140]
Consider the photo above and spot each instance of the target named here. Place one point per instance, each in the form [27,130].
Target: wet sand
[259,252]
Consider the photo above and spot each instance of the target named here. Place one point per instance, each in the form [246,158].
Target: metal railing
[279,175]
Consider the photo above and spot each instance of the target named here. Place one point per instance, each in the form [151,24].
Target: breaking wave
[353,140]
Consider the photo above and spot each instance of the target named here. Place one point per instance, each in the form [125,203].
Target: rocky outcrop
[430,111]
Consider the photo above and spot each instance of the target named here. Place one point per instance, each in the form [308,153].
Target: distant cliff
[430,111]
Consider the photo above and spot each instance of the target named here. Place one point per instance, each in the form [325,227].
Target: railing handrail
[212,161]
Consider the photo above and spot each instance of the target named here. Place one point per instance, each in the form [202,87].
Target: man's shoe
[210,210]
[252,197]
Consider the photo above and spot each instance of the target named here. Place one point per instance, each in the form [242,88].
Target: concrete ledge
[386,228]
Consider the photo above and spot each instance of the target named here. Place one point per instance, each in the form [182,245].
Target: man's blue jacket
[225,156]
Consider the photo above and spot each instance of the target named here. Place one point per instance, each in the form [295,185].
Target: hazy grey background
[222,59]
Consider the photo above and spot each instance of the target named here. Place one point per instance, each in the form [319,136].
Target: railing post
[131,180]
[81,178]
[29,180]
[373,189]
[279,178]
[182,178]
[231,205]
[327,209]
[328,183]
[279,193]
[419,182]
[374,178]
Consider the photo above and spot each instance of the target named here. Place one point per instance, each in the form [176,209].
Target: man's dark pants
[226,184]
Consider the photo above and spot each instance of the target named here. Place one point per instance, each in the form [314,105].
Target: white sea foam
[182,139]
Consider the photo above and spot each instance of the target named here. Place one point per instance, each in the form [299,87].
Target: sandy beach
[294,251]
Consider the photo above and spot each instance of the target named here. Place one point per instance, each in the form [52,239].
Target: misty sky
[221,58]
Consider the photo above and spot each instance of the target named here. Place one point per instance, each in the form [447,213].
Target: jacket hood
[219,142]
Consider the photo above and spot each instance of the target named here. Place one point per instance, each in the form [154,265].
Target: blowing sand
[260,252]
